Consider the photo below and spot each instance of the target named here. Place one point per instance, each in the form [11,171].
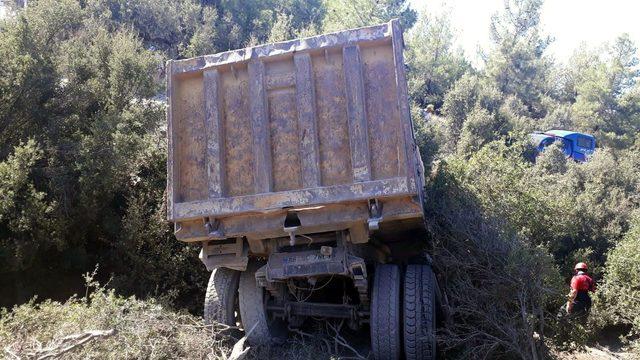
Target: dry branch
[238,352]
[67,344]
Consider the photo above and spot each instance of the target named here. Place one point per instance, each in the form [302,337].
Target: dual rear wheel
[419,316]
[233,297]
[402,312]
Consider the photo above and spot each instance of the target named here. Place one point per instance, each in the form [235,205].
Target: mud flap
[230,253]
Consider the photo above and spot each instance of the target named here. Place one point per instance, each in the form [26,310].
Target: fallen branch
[339,340]
[69,343]
[238,352]
[9,352]
[312,337]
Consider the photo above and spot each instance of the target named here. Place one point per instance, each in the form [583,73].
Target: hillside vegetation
[83,170]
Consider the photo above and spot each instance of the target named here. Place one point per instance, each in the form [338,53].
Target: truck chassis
[389,287]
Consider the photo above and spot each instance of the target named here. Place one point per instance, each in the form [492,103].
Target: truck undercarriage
[388,286]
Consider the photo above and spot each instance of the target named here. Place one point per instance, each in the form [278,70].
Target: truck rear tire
[385,313]
[222,295]
[255,321]
[419,313]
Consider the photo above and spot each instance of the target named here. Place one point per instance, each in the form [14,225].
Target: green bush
[500,287]
[618,297]
[553,213]
[25,213]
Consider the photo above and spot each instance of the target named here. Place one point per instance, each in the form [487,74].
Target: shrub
[618,297]
[499,287]
[143,329]
[25,228]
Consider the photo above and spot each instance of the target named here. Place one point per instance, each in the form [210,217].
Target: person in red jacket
[581,285]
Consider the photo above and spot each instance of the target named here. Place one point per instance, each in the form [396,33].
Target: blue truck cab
[576,145]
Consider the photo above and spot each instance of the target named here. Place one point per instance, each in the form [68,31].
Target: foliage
[141,329]
[479,127]
[605,92]
[187,28]
[618,300]
[434,65]
[517,64]
[575,210]
[491,201]
[147,246]
[566,206]
[499,287]
[24,211]
[82,81]
[343,14]
[88,107]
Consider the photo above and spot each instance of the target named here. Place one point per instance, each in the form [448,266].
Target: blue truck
[576,145]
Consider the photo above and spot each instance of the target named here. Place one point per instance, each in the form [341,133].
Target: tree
[607,94]
[499,286]
[345,14]
[282,29]
[187,28]
[469,94]
[517,63]
[83,92]
[434,65]
[162,25]
[480,127]
[552,160]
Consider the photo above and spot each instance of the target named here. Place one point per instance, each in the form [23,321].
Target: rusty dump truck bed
[320,126]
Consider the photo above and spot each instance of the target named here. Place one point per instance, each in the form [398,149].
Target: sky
[569,22]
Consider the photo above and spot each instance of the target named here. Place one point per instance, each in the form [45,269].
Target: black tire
[419,313]
[385,313]
[255,321]
[221,299]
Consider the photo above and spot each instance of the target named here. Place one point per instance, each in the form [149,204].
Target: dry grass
[131,328]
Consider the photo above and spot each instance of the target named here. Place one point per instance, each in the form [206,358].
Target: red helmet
[580,266]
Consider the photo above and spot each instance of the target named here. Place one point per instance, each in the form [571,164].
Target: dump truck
[295,166]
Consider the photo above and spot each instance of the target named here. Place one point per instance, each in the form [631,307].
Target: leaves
[25,211]
[618,298]
[434,65]
[345,14]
